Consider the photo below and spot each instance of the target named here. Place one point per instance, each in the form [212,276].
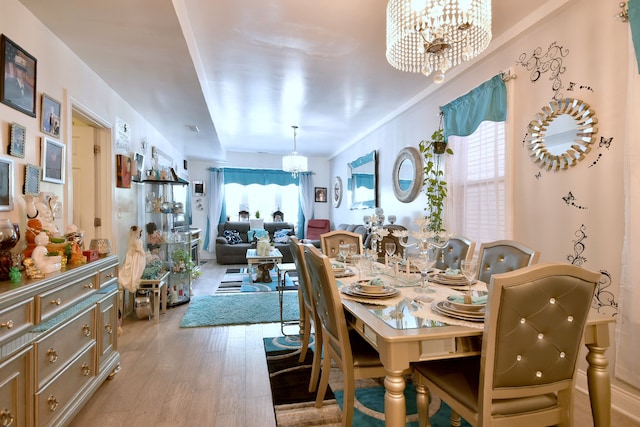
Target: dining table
[409,327]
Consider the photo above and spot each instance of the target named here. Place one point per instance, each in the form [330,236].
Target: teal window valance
[259,176]
[463,115]
[634,21]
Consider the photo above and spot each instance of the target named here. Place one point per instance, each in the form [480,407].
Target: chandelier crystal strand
[425,36]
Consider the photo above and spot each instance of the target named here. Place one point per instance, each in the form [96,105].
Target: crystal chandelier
[425,36]
[294,162]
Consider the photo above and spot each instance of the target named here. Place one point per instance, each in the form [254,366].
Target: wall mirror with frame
[363,181]
[562,133]
[406,175]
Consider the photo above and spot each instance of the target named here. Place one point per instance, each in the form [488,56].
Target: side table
[283,269]
[158,286]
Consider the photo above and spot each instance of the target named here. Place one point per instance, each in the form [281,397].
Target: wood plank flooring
[214,377]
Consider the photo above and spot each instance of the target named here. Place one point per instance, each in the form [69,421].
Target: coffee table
[275,257]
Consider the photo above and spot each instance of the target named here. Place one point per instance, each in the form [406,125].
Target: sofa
[235,253]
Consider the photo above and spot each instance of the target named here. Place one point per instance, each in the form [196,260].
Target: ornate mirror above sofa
[363,181]
[407,174]
[562,133]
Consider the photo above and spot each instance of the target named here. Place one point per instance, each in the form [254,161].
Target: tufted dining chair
[457,250]
[310,316]
[502,256]
[354,356]
[330,242]
[525,375]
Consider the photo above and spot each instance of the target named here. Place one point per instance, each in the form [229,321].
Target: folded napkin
[474,299]
[452,272]
[376,282]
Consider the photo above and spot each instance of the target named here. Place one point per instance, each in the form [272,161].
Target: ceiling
[244,71]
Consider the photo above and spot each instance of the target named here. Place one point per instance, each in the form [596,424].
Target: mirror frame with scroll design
[407,156]
[369,160]
[585,131]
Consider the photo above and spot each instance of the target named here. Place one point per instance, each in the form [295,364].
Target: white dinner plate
[443,307]
[353,291]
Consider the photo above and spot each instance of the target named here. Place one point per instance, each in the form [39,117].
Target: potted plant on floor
[435,186]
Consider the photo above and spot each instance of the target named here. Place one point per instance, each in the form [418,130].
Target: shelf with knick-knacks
[167,237]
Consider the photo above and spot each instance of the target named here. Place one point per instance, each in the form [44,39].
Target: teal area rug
[239,309]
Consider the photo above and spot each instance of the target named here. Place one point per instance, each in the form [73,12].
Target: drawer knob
[85,370]
[53,403]
[56,301]
[110,276]
[86,330]
[6,418]
[108,328]
[88,285]
[8,324]
[52,355]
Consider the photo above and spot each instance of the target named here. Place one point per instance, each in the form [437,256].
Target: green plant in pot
[182,262]
[434,184]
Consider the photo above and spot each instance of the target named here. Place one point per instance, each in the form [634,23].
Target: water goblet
[343,251]
[469,270]
[423,262]
[353,249]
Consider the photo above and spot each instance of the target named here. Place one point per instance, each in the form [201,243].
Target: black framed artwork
[321,194]
[18,82]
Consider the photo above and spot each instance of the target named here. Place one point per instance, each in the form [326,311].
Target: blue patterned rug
[369,400]
[237,280]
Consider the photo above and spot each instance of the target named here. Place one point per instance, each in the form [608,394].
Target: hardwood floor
[214,377]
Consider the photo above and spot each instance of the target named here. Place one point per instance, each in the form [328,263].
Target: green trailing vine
[434,184]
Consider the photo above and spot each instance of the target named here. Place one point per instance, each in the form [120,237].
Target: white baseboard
[621,400]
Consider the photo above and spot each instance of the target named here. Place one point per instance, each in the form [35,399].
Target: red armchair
[316,227]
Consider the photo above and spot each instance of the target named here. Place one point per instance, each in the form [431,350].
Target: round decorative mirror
[561,135]
[336,197]
[407,175]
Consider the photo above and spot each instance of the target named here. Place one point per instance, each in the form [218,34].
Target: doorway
[92,174]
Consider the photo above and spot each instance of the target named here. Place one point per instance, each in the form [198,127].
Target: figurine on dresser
[44,262]
[135,261]
[41,209]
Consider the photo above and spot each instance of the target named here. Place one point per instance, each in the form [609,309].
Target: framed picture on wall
[6,184]
[31,180]
[50,120]
[18,138]
[321,194]
[123,171]
[53,153]
[137,167]
[198,188]
[18,80]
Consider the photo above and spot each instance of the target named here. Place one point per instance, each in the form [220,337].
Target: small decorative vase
[9,235]
[263,248]
[103,246]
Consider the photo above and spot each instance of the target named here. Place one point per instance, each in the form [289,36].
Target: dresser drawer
[16,393]
[107,327]
[56,350]
[53,400]
[108,275]
[16,319]
[54,301]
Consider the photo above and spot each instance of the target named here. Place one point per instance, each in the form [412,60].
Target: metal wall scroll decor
[562,133]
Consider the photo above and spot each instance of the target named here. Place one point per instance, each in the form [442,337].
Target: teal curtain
[634,21]
[463,115]
[258,176]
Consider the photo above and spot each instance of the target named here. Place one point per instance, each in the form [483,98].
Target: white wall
[63,76]
[589,232]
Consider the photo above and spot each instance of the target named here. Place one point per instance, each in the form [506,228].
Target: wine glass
[390,249]
[343,251]
[359,260]
[469,270]
[424,262]
[353,249]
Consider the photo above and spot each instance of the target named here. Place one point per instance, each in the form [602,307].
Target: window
[264,198]
[477,183]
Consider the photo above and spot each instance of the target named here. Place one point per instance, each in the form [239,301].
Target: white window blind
[477,183]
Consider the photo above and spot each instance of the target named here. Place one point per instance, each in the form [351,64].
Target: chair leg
[317,362]
[349,395]
[454,419]
[324,380]
[422,403]
[306,335]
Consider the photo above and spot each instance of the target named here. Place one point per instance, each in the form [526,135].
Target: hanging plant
[434,185]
